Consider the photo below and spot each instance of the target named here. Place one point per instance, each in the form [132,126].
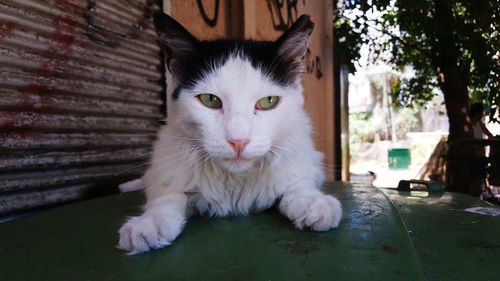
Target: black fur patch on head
[189,59]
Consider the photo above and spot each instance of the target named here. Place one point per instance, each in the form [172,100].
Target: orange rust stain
[36,97]
[67,6]
[389,249]
[7,29]
[62,42]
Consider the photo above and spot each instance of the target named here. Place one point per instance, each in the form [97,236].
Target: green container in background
[399,158]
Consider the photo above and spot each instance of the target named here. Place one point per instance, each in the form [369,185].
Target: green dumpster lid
[76,242]
[451,243]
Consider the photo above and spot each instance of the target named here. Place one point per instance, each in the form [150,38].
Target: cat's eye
[210,101]
[267,103]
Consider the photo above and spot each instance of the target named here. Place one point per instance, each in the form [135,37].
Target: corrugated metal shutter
[80,95]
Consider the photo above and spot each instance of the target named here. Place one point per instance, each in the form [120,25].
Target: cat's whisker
[170,156]
[272,67]
[332,171]
[284,148]
[326,168]
[286,158]
[332,166]
[131,168]
[163,166]
[164,163]
[188,144]
[180,137]
[181,156]
[204,157]
[291,151]
[300,155]
[268,156]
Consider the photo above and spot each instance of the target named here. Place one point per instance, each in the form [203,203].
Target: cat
[237,137]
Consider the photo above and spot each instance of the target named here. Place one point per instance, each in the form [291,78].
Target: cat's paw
[148,232]
[319,212]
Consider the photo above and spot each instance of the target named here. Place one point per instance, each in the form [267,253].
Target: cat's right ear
[179,46]
[292,45]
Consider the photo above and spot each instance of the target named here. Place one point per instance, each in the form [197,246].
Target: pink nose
[238,145]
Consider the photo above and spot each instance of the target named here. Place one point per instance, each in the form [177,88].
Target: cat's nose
[238,145]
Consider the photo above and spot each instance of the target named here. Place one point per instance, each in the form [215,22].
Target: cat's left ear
[179,45]
[292,45]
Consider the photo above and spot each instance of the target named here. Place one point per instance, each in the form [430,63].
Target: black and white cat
[237,138]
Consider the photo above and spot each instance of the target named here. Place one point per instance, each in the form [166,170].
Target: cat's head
[240,99]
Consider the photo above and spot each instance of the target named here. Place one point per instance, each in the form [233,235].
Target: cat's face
[239,114]
[237,99]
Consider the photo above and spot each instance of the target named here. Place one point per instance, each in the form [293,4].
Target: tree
[451,44]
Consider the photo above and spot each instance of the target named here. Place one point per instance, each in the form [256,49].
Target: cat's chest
[233,197]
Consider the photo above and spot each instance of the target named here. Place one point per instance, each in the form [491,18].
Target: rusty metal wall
[80,97]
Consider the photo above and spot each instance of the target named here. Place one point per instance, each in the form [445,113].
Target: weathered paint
[383,235]
[371,243]
[27,200]
[80,96]
[27,140]
[40,179]
[40,159]
[35,120]
[451,244]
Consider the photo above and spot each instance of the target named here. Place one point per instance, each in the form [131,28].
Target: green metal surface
[451,244]
[399,158]
[76,242]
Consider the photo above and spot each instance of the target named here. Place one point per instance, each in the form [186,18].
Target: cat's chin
[236,165]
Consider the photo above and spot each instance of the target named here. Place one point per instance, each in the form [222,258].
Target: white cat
[237,138]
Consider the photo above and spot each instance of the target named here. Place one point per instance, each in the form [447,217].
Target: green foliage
[414,92]
[406,120]
[362,129]
[349,42]
[432,36]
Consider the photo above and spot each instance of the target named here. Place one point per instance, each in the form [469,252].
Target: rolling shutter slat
[81,90]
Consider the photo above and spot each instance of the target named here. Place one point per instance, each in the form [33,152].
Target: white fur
[190,171]
[132,185]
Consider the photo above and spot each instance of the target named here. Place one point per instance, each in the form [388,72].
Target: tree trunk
[456,97]
[452,74]
[464,170]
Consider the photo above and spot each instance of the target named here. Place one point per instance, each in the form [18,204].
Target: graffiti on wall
[283,13]
[313,64]
[210,21]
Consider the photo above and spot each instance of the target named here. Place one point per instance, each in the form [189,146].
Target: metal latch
[432,186]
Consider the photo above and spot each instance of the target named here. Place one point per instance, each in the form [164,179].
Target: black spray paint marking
[212,22]
[313,65]
[283,22]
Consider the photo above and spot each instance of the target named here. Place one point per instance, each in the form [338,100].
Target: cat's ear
[179,46]
[292,45]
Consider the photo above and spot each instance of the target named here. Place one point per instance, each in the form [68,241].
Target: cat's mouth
[237,160]
[237,164]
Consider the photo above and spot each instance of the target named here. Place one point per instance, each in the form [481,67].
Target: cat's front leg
[161,223]
[307,207]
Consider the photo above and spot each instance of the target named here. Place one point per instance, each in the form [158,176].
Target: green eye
[210,101]
[267,103]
